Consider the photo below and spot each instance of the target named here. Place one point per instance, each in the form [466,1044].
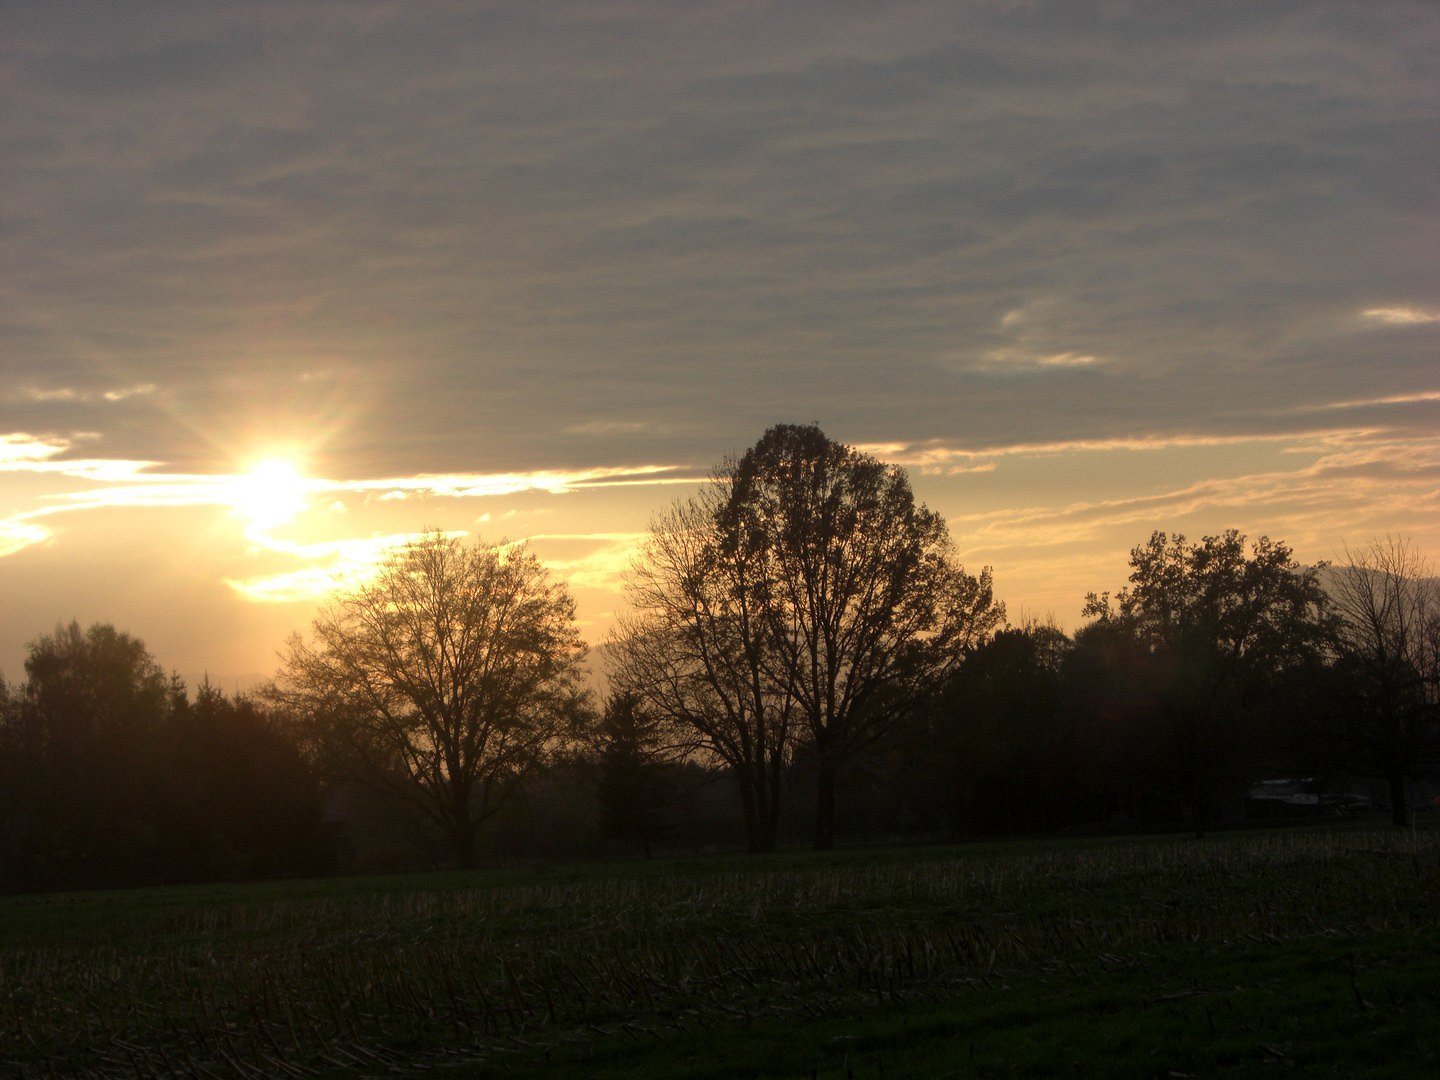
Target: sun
[271,493]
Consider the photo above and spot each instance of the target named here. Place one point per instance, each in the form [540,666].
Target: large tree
[1215,626]
[1385,709]
[806,593]
[80,761]
[693,653]
[443,680]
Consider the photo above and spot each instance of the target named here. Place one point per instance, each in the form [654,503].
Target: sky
[284,283]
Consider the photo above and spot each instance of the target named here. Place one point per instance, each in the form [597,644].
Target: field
[1246,954]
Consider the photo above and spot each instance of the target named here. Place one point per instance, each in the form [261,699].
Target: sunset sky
[282,283]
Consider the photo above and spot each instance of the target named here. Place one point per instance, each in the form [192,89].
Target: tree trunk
[825,807]
[462,829]
[764,839]
[462,844]
[759,835]
[1399,808]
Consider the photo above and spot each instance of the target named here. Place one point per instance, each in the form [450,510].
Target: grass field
[1247,954]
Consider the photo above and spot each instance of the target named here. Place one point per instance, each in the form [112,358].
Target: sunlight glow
[331,565]
[272,493]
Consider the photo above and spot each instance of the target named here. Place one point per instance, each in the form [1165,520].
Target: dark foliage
[1214,628]
[110,776]
[633,785]
[1005,738]
[802,600]
[1221,665]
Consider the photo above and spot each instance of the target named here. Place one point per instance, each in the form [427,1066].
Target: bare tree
[804,591]
[693,652]
[1388,600]
[444,680]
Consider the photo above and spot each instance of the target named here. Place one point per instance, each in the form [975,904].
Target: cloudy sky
[281,283]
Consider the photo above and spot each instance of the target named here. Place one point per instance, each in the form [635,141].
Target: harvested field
[1295,948]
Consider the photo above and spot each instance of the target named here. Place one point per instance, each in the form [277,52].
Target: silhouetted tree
[247,800]
[1384,706]
[109,775]
[693,653]
[804,586]
[1216,626]
[444,680]
[84,790]
[632,785]
[12,786]
[1111,695]
[1008,756]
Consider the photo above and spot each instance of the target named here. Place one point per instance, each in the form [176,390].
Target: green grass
[1254,953]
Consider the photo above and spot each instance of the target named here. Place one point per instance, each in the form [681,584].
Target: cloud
[604,428]
[177,64]
[17,534]
[69,393]
[1422,397]
[1354,478]
[1401,316]
[329,566]
[601,224]
[121,393]
[942,456]
[481,485]
[139,485]
[133,483]
[603,566]
[516,251]
[1017,358]
[19,451]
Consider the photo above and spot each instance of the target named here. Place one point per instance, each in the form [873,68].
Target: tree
[803,589]
[81,749]
[444,680]
[1386,711]
[999,737]
[693,653]
[865,609]
[632,787]
[248,801]
[111,775]
[1216,626]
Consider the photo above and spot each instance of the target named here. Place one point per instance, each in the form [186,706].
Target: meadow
[1252,953]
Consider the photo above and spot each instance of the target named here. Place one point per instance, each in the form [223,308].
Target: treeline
[1221,665]
[803,654]
[111,773]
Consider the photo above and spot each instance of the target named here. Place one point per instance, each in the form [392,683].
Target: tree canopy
[632,787]
[804,593]
[1215,625]
[692,652]
[111,775]
[443,680]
